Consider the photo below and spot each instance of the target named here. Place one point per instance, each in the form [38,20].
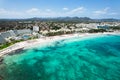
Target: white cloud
[101,12]
[9,12]
[106,12]
[48,10]
[3,11]
[113,13]
[36,12]
[78,10]
[33,11]
[40,13]
[65,9]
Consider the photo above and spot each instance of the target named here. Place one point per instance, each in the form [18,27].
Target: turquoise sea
[78,58]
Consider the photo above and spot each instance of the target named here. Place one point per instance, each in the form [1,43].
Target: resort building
[2,40]
[15,34]
[35,28]
[22,32]
[103,27]
[12,33]
[85,25]
[5,35]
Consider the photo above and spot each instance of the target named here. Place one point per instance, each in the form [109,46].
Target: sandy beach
[45,40]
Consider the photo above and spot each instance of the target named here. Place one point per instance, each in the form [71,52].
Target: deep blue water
[93,58]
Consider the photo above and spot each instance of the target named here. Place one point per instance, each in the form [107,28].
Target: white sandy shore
[45,40]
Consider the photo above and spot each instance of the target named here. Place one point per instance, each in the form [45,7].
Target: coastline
[46,40]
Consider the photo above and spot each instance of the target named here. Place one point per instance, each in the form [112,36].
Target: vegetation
[12,24]
[13,41]
[96,30]
[7,44]
[49,24]
[115,27]
[56,28]
[58,33]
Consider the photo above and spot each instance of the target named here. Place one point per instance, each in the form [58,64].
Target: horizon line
[59,17]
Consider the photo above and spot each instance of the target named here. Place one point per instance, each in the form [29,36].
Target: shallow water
[94,58]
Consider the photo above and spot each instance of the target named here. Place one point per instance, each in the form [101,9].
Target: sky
[95,9]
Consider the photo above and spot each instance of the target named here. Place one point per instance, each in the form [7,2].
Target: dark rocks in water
[1,78]
[57,43]
[37,50]
[43,51]
[16,51]
[1,60]
[19,50]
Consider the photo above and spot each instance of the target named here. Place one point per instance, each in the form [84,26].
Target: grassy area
[7,44]
[96,30]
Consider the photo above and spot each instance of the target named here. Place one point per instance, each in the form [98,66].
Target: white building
[35,28]
[2,40]
[12,33]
